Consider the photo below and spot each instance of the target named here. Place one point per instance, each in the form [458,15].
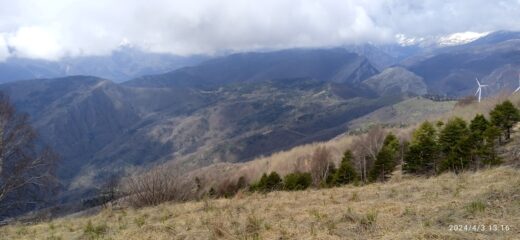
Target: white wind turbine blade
[478,90]
[518,89]
[477,82]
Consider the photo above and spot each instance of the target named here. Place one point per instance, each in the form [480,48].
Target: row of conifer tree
[434,148]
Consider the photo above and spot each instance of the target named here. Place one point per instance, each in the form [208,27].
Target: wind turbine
[518,89]
[479,90]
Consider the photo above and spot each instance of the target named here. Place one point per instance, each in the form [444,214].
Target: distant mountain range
[238,107]
[331,65]
[122,64]
[451,71]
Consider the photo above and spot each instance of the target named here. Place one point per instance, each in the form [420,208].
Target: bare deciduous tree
[320,163]
[151,187]
[27,171]
[365,150]
[109,191]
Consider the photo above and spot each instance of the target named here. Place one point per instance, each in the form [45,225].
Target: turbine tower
[479,90]
[518,89]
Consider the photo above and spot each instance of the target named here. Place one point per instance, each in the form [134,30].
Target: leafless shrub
[320,163]
[152,187]
[229,187]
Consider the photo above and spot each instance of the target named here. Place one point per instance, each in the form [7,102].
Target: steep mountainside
[79,116]
[397,80]
[387,55]
[76,115]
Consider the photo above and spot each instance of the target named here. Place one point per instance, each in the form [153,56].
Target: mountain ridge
[337,64]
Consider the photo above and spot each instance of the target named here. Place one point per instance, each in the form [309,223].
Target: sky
[53,29]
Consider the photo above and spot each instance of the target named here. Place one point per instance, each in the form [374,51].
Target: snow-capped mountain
[460,38]
[453,39]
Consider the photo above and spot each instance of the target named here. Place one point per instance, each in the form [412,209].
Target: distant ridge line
[440,98]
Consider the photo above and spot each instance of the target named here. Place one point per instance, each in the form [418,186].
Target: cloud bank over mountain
[55,29]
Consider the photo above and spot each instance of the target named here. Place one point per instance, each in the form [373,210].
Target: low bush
[268,183]
[297,181]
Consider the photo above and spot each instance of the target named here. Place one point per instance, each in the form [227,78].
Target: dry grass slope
[405,113]
[404,208]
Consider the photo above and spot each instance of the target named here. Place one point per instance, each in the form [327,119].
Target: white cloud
[4,51]
[35,42]
[57,28]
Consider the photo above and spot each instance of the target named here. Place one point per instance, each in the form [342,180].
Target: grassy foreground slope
[404,208]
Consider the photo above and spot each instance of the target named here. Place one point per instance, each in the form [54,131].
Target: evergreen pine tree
[457,146]
[461,155]
[386,159]
[454,131]
[478,125]
[260,185]
[263,181]
[345,173]
[422,154]
[504,116]
[489,152]
[274,182]
[297,181]
[268,183]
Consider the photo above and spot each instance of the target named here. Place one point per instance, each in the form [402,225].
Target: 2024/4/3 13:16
[479,228]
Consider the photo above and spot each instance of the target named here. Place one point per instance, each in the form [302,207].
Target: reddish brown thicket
[229,187]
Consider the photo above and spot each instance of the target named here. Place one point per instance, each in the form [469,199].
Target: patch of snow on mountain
[404,40]
[460,38]
[439,41]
